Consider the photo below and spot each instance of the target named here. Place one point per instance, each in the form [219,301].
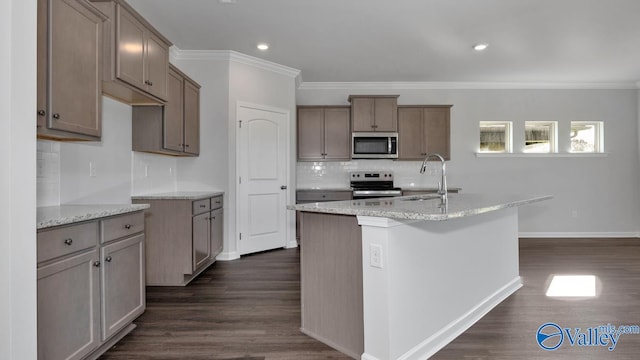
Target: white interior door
[263,138]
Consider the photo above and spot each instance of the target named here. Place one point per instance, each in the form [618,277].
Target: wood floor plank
[250,309]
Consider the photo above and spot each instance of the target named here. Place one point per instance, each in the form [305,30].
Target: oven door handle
[377,193]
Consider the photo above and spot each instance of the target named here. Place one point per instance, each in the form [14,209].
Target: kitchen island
[399,278]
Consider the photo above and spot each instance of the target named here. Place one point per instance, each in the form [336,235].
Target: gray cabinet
[374,113]
[423,130]
[184,236]
[136,56]
[90,285]
[69,307]
[172,129]
[311,196]
[123,283]
[323,133]
[69,100]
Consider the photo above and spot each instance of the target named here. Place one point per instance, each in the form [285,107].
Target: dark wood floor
[250,309]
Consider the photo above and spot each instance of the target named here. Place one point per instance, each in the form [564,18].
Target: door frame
[290,240]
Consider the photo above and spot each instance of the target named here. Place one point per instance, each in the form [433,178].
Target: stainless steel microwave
[374,145]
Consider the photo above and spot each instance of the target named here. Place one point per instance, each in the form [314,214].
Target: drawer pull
[68,241]
[203,206]
[108,259]
[127,226]
[218,202]
[96,263]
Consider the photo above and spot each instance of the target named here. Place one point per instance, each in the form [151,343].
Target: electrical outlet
[170,171]
[92,169]
[574,214]
[375,255]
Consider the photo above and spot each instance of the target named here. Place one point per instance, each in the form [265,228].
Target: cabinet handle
[283,187]
[56,116]
[42,113]
[186,145]
[213,218]
[148,82]
[203,206]
[108,259]
[96,263]
[68,241]
[127,226]
[218,202]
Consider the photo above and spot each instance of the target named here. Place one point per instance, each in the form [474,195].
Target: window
[587,137]
[495,136]
[540,137]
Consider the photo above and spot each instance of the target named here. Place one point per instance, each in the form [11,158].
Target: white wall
[17,180]
[603,191]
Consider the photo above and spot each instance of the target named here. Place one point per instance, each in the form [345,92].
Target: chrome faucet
[442,185]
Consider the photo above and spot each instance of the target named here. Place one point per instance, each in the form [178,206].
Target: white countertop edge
[51,216]
[413,214]
[178,195]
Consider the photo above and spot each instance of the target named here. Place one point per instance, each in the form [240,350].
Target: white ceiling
[537,41]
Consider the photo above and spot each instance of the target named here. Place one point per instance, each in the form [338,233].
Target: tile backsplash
[48,173]
[335,174]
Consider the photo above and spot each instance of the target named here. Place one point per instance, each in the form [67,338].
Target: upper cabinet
[136,56]
[172,129]
[323,133]
[423,130]
[69,101]
[374,113]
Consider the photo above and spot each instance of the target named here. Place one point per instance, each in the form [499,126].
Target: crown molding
[232,56]
[444,85]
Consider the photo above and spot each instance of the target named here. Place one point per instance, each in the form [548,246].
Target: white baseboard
[433,344]
[228,256]
[590,235]
[291,244]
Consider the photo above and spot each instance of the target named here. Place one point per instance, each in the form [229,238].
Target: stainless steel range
[373,184]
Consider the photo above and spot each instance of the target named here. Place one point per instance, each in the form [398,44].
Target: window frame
[508,138]
[553,136]
[598,146]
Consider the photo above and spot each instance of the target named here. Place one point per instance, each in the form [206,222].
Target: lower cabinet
[69,307]
[184,236]
[89,289]
[311,196]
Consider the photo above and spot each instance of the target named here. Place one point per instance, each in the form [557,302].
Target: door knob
[283,187]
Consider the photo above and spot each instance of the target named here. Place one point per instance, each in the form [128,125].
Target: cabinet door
[410,134]
[75,68]
[157,65]
[41,87]
[437,131]
[201,240]
[172,131]
[386,114]
[337,135]
[310,134]
[191,118]
[362,114]
[130,41]
[123,284]
[69,307]
[216,232]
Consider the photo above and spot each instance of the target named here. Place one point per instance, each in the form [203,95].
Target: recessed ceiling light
[263,46]
[227,1]
[480,47]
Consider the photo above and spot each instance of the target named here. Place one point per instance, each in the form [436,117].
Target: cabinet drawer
[121,226]
[200,206]
[319,196]
[216,202]
[66,240]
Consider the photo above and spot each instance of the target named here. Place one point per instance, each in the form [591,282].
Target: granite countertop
[50,216]
[178,195]
[422,207]
[324,189]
